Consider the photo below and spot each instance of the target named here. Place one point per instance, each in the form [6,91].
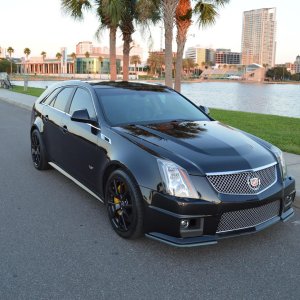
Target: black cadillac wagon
[161,165]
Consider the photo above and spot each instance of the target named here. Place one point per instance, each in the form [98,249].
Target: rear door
[53,116]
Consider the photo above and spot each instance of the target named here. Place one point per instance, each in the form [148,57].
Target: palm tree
[27,52]
[58,56]
[206,10]
[113,14]
[156,61]
[152,62]
[10,50]
[127,28]
[110,13]
[109,18]
[73,55]
[100,60]
[183,17]
[168,9]
[135,60]
[43,53]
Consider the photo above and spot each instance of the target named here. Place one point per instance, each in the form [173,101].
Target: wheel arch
[37,124]
[111,167]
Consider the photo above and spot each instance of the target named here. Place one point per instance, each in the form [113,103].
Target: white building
[2,52]
[259,37]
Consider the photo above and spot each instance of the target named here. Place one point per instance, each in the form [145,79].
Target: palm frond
[221,2]
[75,8]
[207,13]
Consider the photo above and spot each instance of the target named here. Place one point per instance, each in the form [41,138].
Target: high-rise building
[225,56]
[83,47]
[259,37]
[297,64]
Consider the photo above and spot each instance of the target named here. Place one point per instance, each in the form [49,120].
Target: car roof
[127,85]
[137,86]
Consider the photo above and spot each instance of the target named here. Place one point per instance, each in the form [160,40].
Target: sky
[41,25]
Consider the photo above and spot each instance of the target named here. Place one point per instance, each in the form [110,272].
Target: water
[275,99]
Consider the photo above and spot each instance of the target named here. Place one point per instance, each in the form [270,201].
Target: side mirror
[82,116]
[205,109]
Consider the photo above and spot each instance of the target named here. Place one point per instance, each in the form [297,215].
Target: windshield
[130,106]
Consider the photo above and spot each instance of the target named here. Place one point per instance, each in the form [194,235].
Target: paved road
[56,243]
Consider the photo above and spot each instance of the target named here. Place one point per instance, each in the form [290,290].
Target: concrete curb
[16,103]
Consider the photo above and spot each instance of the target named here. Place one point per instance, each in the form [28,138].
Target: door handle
[65,129]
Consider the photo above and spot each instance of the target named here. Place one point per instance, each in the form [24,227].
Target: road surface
[56,243]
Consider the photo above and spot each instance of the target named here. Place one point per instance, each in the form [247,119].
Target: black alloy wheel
[123,202]
[38,152]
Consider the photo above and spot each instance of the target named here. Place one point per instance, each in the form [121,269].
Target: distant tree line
[7,66]
[281,74]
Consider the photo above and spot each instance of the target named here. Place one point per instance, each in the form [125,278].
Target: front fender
[39,124]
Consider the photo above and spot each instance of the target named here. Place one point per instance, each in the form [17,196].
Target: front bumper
[163,214]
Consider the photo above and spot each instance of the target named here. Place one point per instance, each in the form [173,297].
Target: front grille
[237,183]
[241,219]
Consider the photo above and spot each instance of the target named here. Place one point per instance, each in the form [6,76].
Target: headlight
[176,180]
[279,155]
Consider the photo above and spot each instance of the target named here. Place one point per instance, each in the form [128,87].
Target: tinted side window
[82,100]
[62,99]
[49,99]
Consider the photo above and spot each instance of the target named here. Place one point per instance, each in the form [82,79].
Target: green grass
[30,90]
[282,132]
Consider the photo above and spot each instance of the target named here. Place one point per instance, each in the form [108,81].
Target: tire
[124,205]
[38,151]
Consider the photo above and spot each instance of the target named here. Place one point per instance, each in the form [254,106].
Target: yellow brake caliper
[117,200]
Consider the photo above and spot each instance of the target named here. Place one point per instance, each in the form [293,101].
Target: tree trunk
[169,7]
[183,22]
[112,53]
[126,53]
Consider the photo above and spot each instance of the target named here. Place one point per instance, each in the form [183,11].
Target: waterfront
[275,99]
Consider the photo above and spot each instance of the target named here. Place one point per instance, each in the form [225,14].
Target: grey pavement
[56,242]
[26,101]
[18,99]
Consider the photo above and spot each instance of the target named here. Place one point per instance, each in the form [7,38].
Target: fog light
[184,223]
[289,199]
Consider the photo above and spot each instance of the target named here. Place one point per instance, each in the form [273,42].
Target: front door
[84,156]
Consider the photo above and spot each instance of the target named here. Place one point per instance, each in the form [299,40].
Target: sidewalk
[25,101]
[18,99]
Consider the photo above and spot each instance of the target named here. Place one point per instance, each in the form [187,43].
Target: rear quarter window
[49,98]
[61,100]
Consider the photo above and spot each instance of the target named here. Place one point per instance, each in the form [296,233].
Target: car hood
[200,146]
